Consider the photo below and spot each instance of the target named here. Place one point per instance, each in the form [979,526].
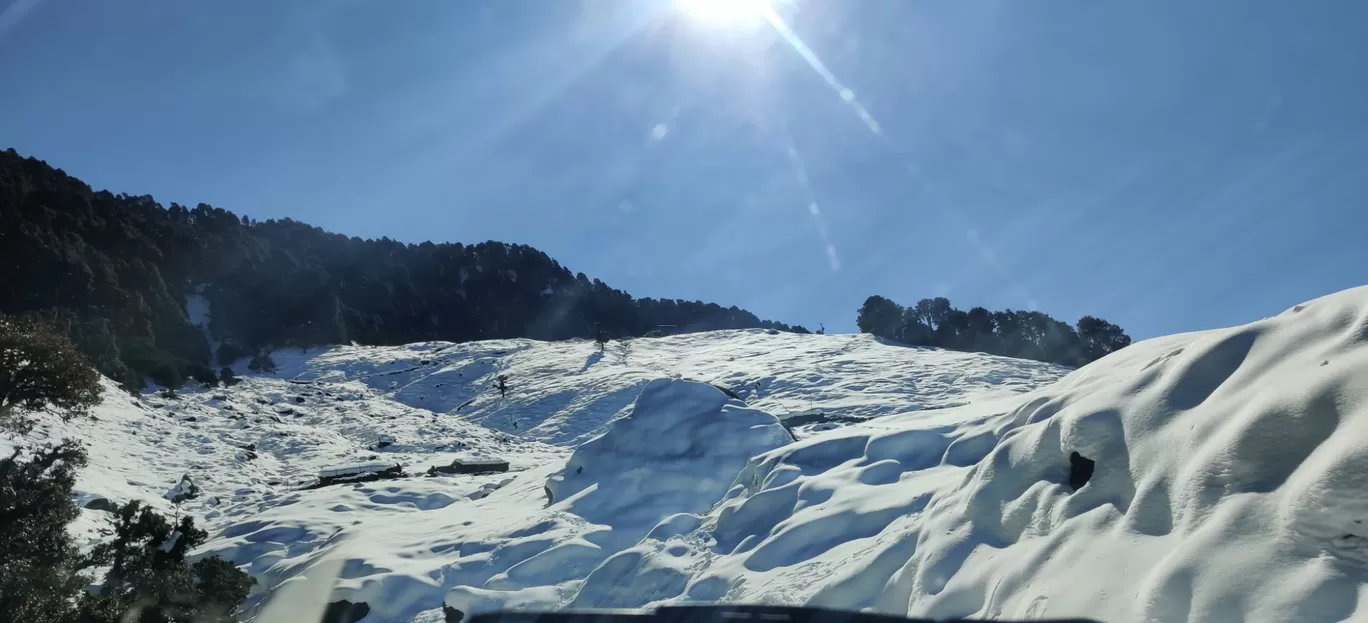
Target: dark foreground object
[711,614]
[345,612]
[1080,470]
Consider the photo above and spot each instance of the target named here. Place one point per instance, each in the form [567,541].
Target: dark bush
[39,563]
[229,353]
[262,363]
[204,375]
[40,369]
[148,574]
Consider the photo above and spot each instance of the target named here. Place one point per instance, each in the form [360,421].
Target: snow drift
[1228,480]
[676,451]
[1230,483]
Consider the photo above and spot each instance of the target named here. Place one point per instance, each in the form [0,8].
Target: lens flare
[722,11]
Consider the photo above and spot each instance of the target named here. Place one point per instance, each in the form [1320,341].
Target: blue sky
[1168,165]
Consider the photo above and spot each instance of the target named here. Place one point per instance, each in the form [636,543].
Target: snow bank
[671,457]
[1230,483]
[677,451]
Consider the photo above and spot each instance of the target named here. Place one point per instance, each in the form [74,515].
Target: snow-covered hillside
[1228,480]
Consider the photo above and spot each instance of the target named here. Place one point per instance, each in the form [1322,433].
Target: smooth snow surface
[1230,475]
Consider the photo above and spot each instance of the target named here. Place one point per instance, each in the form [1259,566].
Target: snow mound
[1230,482]
[677,451]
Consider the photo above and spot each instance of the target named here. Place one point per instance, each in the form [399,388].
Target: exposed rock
[299,400]
[730,394]
[471,466]
[451,615]
[184,490]
[1080,470]
[345,612]
[367,472]
[102,504]
[488,488]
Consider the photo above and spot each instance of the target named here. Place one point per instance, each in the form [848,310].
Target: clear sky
[1166,164]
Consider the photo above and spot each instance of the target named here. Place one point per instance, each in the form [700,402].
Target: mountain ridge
[115,271]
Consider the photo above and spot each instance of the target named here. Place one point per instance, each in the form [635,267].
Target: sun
[722,11]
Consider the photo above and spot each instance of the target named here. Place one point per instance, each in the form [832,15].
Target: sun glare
[722,11]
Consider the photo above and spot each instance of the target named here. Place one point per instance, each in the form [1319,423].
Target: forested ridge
[1021,334]
[114,272]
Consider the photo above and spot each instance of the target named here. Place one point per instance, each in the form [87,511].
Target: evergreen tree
[39,562]
[40,369]
[148,574]
[880,317]
[1025,335]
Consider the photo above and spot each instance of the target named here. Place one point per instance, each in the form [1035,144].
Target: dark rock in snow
[219,397]
[451,615]
[731,394]
[358,473]
[299,400]
[184,490]
[1080,470]
[471,466]
[102,504]
[345,612]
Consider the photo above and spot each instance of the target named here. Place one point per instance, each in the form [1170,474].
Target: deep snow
[1230,480]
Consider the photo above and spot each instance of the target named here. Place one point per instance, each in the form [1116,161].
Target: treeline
[114,272]
[1020,334]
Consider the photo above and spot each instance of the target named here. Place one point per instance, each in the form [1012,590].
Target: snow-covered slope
[1229,474]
